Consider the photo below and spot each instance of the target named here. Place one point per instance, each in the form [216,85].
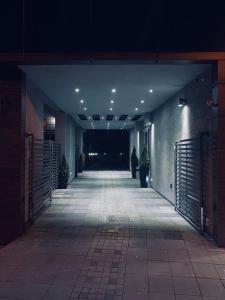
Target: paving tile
[180,269]
[137,242]
[137,253]
[205,270]
[159,268]
[66,276]
[137,265]
[157,296]
[136,283]
[105,238]
[211,287]
[220,270]
[24,291]
[136,295]
[218,257]
[178,255]
[158,255]
[187,297]
[186,286]
[58,293]
[160,284]
[200,256]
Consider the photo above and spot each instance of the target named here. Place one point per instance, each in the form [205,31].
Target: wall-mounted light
[182,101]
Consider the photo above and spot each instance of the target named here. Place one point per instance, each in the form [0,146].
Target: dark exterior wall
[34,103]
[11,161]
[172,123]
[33,99]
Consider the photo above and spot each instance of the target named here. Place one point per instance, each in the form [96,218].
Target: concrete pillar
[65,136]
[220,163]
[12,136]
[60,131]
[79,149]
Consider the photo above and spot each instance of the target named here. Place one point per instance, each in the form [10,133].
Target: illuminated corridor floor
[106,238]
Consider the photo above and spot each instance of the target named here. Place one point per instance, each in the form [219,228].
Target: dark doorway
[106,149]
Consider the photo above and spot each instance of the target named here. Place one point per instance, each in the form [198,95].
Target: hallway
[105,238]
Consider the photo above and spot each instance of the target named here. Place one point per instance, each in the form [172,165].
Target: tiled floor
[106,238]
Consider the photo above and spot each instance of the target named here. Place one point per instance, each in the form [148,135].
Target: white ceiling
[132,84]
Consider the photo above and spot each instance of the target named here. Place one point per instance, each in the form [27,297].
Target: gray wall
[172,123]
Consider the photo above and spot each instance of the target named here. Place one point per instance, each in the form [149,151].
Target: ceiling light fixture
[136,108]
[116,118]
[77,90]
[103,117]
[110,108]
[142,101]
[113,91]
[89,117]
[151,91]
[81,101]
[111,101]
[85,108]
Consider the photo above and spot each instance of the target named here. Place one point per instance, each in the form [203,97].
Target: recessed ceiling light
[142,101]
[136,108]
[85,108]
[113,90]
[110,108]
[151,91]
[89,117]
[116,118]
[103,117]
[112,101]
[77,90]
[128,118]
[81,101]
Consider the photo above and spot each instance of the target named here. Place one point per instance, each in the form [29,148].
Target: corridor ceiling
[87,90]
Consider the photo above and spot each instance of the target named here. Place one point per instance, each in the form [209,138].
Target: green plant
[144,159]
[64,169]
[134,159]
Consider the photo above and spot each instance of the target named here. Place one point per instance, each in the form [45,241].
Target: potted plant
[144,167]
[64,173]
[134,162]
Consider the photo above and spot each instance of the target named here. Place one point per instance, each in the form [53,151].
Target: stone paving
[105,238]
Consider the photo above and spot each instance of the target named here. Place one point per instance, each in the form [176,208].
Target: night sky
[112,25]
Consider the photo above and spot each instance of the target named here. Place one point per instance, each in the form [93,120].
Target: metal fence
[43,174]
[191,180]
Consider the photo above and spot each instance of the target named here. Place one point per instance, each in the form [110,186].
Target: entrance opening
[106,149]
[98,113]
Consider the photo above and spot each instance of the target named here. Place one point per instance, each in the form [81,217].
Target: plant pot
[133,171]
[63,182]
[144,173]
